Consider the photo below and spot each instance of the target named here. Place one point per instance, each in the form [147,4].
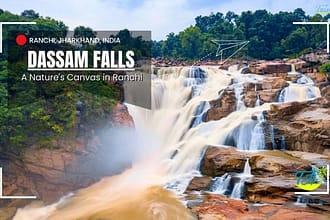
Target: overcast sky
[159,16]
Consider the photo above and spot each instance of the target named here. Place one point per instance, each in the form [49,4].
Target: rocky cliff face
[51,173]
[304,125]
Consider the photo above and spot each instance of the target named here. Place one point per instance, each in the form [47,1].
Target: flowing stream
[152,187]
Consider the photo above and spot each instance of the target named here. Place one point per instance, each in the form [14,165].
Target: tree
[296,41]
[191,41]
[172,46]
[30,14]
[300,14]
[82,31]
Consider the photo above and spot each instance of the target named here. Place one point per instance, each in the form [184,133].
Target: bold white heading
[80,59]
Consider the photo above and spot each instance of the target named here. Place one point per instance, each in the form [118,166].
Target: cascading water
[257,101]
[293,70]
[272,136]
[302,90]
[179,136]
[238,88]
[239,187]
[221,184]
[258,135]
[200,113]
[283,145]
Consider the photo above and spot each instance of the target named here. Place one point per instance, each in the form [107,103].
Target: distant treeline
[271,35]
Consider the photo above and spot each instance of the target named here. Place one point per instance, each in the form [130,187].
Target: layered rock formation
[217,207]
[267,90]
[273,184]
[305,125]
[49,174]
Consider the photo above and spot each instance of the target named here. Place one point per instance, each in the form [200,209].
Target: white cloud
[160,16]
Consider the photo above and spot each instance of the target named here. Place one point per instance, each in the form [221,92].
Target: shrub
[325,68]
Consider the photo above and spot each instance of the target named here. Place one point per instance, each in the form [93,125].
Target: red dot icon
[21,39]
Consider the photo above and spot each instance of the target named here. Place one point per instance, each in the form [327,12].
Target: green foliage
[82,31]
[191,41]
[30,14]
[38,112]
[271,35]
[296,41]
[325,68]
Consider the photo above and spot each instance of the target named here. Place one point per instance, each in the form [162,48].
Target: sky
[159,16]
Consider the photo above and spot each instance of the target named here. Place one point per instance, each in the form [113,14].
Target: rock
[285,110]
[65,166]
[7,213]
[325,92]
[276,162]
[272,190]
[219,207]
[319,57]
[121,117]
[273,83]
[270,67]
[199,183]
[270,95]
[304,125]
[218,161]
[223,106]
[268,90]
[293,214]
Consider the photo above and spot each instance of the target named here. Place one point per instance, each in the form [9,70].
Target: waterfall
[249,134]
[302,90]
[298,92]
[221,184]
[257,101]
[293,70]
[258,135]
[239,187]
[247,169]
[283,145]
[272,136]
[239,95]
[303,79]
[200,113]
[175,137]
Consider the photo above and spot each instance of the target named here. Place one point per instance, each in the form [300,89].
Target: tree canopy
[271,35]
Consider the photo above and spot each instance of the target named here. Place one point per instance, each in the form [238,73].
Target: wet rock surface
[216,207]
[272,186]
[222,106]
[305,126]
[218,161]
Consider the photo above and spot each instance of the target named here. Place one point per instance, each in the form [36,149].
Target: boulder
[219,160]
[273,190]
[219,207]
[222,106]
[199,183]
[270,163]
[267,67]
[273,83]
[285,110]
